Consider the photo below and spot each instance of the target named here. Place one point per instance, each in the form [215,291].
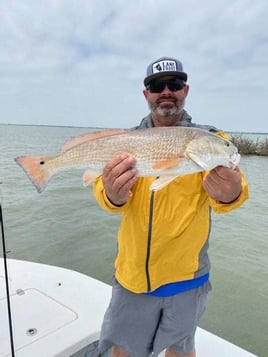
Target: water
[64,226]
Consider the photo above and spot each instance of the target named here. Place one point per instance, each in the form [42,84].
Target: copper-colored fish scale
[149,146]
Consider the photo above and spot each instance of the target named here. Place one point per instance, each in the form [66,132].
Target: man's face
[166,96]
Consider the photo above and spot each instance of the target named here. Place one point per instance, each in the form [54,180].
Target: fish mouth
[235,159]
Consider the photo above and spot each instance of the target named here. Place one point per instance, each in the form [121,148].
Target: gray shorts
[143,325]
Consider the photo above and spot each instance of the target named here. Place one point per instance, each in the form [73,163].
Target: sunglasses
[157,86]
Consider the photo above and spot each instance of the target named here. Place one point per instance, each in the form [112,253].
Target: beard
[171,109]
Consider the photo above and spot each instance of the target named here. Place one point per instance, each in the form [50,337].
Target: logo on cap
[164,66]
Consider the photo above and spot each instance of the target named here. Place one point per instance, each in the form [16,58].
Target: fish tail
[36,169]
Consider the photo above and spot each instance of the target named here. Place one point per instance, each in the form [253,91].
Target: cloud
[82,63]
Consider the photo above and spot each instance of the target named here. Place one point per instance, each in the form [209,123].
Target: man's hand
[223,184]
[119,175]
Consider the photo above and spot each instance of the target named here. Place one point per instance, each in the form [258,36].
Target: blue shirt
[178,287]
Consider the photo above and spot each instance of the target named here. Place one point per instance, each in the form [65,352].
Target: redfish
[163,152]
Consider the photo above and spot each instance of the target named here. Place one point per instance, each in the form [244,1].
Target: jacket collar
[148,123]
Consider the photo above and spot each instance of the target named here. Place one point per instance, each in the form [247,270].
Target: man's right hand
[118,176]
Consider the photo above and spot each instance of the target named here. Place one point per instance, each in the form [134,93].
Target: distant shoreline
[99,128]
[53,126]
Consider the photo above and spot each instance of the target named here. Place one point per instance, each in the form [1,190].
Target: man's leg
[116,352]
[125,321]
[172,353]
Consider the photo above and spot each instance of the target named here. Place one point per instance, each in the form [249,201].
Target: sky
[82,62]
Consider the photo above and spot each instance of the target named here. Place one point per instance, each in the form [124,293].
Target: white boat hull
[58,312]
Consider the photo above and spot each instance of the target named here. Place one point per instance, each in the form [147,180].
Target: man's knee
[116,352]
[172,353]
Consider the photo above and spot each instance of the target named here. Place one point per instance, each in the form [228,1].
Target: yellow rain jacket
[163,235]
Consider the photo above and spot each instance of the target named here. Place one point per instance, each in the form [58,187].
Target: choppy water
[64,226]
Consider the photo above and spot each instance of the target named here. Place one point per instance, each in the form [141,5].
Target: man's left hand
[223,184]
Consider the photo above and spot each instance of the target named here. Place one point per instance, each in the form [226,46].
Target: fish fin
[89,176]
[161,182]
[168,163]
[78,140]
[196,159]
[35,168]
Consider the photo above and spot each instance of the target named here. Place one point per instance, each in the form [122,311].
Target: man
[162,267]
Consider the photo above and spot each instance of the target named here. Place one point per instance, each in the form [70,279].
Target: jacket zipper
[149,240]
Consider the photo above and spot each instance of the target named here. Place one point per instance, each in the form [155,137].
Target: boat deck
[58,312]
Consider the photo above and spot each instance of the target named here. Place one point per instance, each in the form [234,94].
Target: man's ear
[186,89]
[145,93]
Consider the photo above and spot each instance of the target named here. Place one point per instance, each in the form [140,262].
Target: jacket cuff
[110,205]
[222,207]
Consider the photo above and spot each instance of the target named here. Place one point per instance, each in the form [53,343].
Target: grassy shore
[248,146]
